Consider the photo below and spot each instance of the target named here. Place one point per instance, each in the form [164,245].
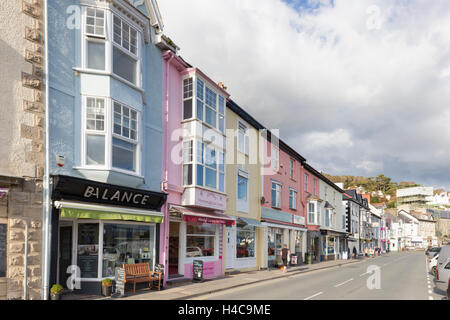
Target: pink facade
[174,253]
[283,175]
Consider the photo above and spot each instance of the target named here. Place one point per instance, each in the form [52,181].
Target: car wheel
[433,270]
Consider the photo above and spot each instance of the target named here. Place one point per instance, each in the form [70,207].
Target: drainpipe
[165,235]
[46,210]
[25,274]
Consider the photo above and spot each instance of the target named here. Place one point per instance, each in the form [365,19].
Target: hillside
[382,188]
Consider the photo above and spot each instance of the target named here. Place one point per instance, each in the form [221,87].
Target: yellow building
[244,242]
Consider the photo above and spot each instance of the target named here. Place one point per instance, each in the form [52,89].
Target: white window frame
[242,205]
[293,195]
[278,190]
[188,260]
[275,158]
[312,215]
[108,133]
[108,39]
[244,136]
[292,168]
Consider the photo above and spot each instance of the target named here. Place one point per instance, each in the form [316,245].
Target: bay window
[276,195]
[119,39]
[327,217]
[122,133]
[187,162]
[312,218]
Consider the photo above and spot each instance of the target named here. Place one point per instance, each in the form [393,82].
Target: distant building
[411,198]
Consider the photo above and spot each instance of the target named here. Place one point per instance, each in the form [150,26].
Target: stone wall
[22,141]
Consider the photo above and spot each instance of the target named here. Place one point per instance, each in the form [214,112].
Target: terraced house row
[115,150]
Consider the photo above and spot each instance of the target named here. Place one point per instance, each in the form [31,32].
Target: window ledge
[130,173]
[113,75]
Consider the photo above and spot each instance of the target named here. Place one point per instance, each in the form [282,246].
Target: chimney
[220,84]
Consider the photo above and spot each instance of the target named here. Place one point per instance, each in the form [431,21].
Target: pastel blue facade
[70,82]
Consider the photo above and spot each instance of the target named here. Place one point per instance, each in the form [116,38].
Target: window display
[200,240]
[245,241]
[127,244]
[331,243]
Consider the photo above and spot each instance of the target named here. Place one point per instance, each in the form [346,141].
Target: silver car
[441,280]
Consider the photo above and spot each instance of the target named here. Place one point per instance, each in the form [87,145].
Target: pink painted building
[283,209]
[193,172]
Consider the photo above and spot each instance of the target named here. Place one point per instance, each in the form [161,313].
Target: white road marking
[363,274]
[429,291]
[340,284]
[315,295]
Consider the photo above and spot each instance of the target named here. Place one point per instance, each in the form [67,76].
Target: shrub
[56,288]
[107,283]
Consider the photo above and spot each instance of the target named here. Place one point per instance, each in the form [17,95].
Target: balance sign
[374,280]
[74,281]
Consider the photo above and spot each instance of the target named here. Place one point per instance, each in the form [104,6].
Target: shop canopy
[77,210]
[250,222]
[198,215]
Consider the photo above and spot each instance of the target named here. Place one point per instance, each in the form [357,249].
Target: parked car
[432,263]
[433,251]
[443,269]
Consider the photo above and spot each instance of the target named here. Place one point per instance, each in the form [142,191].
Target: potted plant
[56,291]
[107,287]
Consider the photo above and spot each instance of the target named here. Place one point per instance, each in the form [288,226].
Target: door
[230,247]
[65,254]
[174,247]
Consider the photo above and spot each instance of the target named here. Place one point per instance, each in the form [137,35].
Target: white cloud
[311,73]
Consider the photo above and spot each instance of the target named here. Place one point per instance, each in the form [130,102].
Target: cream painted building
[245,241]
[21,152]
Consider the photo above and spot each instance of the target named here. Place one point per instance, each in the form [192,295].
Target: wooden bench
[140,272]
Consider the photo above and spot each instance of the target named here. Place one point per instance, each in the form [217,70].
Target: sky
[357,87]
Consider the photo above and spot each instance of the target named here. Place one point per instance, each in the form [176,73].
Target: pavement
[396,276]
[190,290]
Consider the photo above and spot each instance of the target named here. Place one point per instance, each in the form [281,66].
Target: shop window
[3,230]
[127,244]
[200,240]
[245,241]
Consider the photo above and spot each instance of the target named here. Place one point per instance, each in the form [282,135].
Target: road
[402,276]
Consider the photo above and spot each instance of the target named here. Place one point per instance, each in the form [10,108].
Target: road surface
[402,276]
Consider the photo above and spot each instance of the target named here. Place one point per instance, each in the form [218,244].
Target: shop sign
[299,220]
[120,281]
[210,199]
[70,188]
[197,219]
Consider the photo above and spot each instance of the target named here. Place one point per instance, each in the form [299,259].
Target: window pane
[221,105]
[187,88]
[221,123]
[124,66]
[124,155]
[187,174]
[200,87]
[199,110]
[187,109]
[211,179]
[221,162]
[221,182]
[210,117]
[124,243]
[242,188]
[211,98]
[200,175]
[95,150]
[210,157]
[200,246]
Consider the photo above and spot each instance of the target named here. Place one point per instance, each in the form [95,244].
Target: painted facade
[105,109]
[244,242]
[194,170]
[283,210]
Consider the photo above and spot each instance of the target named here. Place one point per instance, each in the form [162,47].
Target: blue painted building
[105,107]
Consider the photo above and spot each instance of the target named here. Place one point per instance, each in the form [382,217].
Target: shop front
[241,244]
[196,234]
[98,227]
[332,245]
[313,240]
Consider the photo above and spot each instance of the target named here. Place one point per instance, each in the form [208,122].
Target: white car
[441,280]
[432,263]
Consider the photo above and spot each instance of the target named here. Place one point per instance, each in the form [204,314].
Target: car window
[447,266]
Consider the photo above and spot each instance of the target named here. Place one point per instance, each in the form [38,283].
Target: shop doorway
[65,253]
[279,244]
[174,248]
[230,247]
